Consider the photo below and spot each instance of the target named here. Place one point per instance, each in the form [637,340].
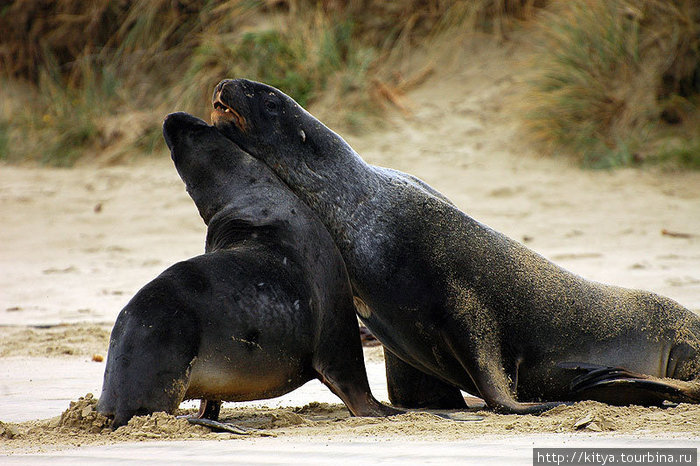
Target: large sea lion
[266,309]
[461,305]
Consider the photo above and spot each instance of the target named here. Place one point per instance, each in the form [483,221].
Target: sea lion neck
[323,186]
[228,229]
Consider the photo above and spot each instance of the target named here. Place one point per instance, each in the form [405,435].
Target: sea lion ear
[303,135]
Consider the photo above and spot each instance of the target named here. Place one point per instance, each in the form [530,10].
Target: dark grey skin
[265,310]
[457,304]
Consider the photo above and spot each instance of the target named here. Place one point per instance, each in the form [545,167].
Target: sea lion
[267,308]
[457,304]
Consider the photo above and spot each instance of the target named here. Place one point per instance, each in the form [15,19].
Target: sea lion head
[272,127]
[251,112]
[214,169]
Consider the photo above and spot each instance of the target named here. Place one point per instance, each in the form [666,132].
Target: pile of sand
[81,424]
[82,416]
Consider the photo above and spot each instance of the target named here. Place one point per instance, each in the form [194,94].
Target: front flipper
[479,354]
[208,416]
[209,409]
[355,393]
[618,386]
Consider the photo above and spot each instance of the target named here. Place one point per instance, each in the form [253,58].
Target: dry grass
[619,78]
[92,66]
[83,64]
[614,74]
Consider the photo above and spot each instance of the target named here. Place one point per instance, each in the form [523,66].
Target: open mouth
[224,113]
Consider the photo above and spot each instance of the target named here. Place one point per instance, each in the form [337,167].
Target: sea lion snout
[176,126]
[224,101]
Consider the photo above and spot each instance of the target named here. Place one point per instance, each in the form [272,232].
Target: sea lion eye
[270,105]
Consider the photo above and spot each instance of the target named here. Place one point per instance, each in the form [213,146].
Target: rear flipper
[411,388]
[618,386]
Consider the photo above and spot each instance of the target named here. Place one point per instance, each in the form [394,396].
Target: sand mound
[158,426]
[82,415]
[8,431]
[81,424]
[320,408]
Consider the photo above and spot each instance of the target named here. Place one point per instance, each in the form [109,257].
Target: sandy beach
[76,244]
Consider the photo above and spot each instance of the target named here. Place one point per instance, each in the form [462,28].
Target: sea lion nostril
[220,86]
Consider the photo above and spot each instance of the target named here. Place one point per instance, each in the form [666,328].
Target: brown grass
[614,75]
[619,84]
[90,65]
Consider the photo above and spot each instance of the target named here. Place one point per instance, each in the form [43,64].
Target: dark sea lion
[457,304]
[266,309]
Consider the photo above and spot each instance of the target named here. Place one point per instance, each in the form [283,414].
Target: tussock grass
[618,84]
[612,75]
[682,155]
[100,75]
[294,54]
[82,64]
